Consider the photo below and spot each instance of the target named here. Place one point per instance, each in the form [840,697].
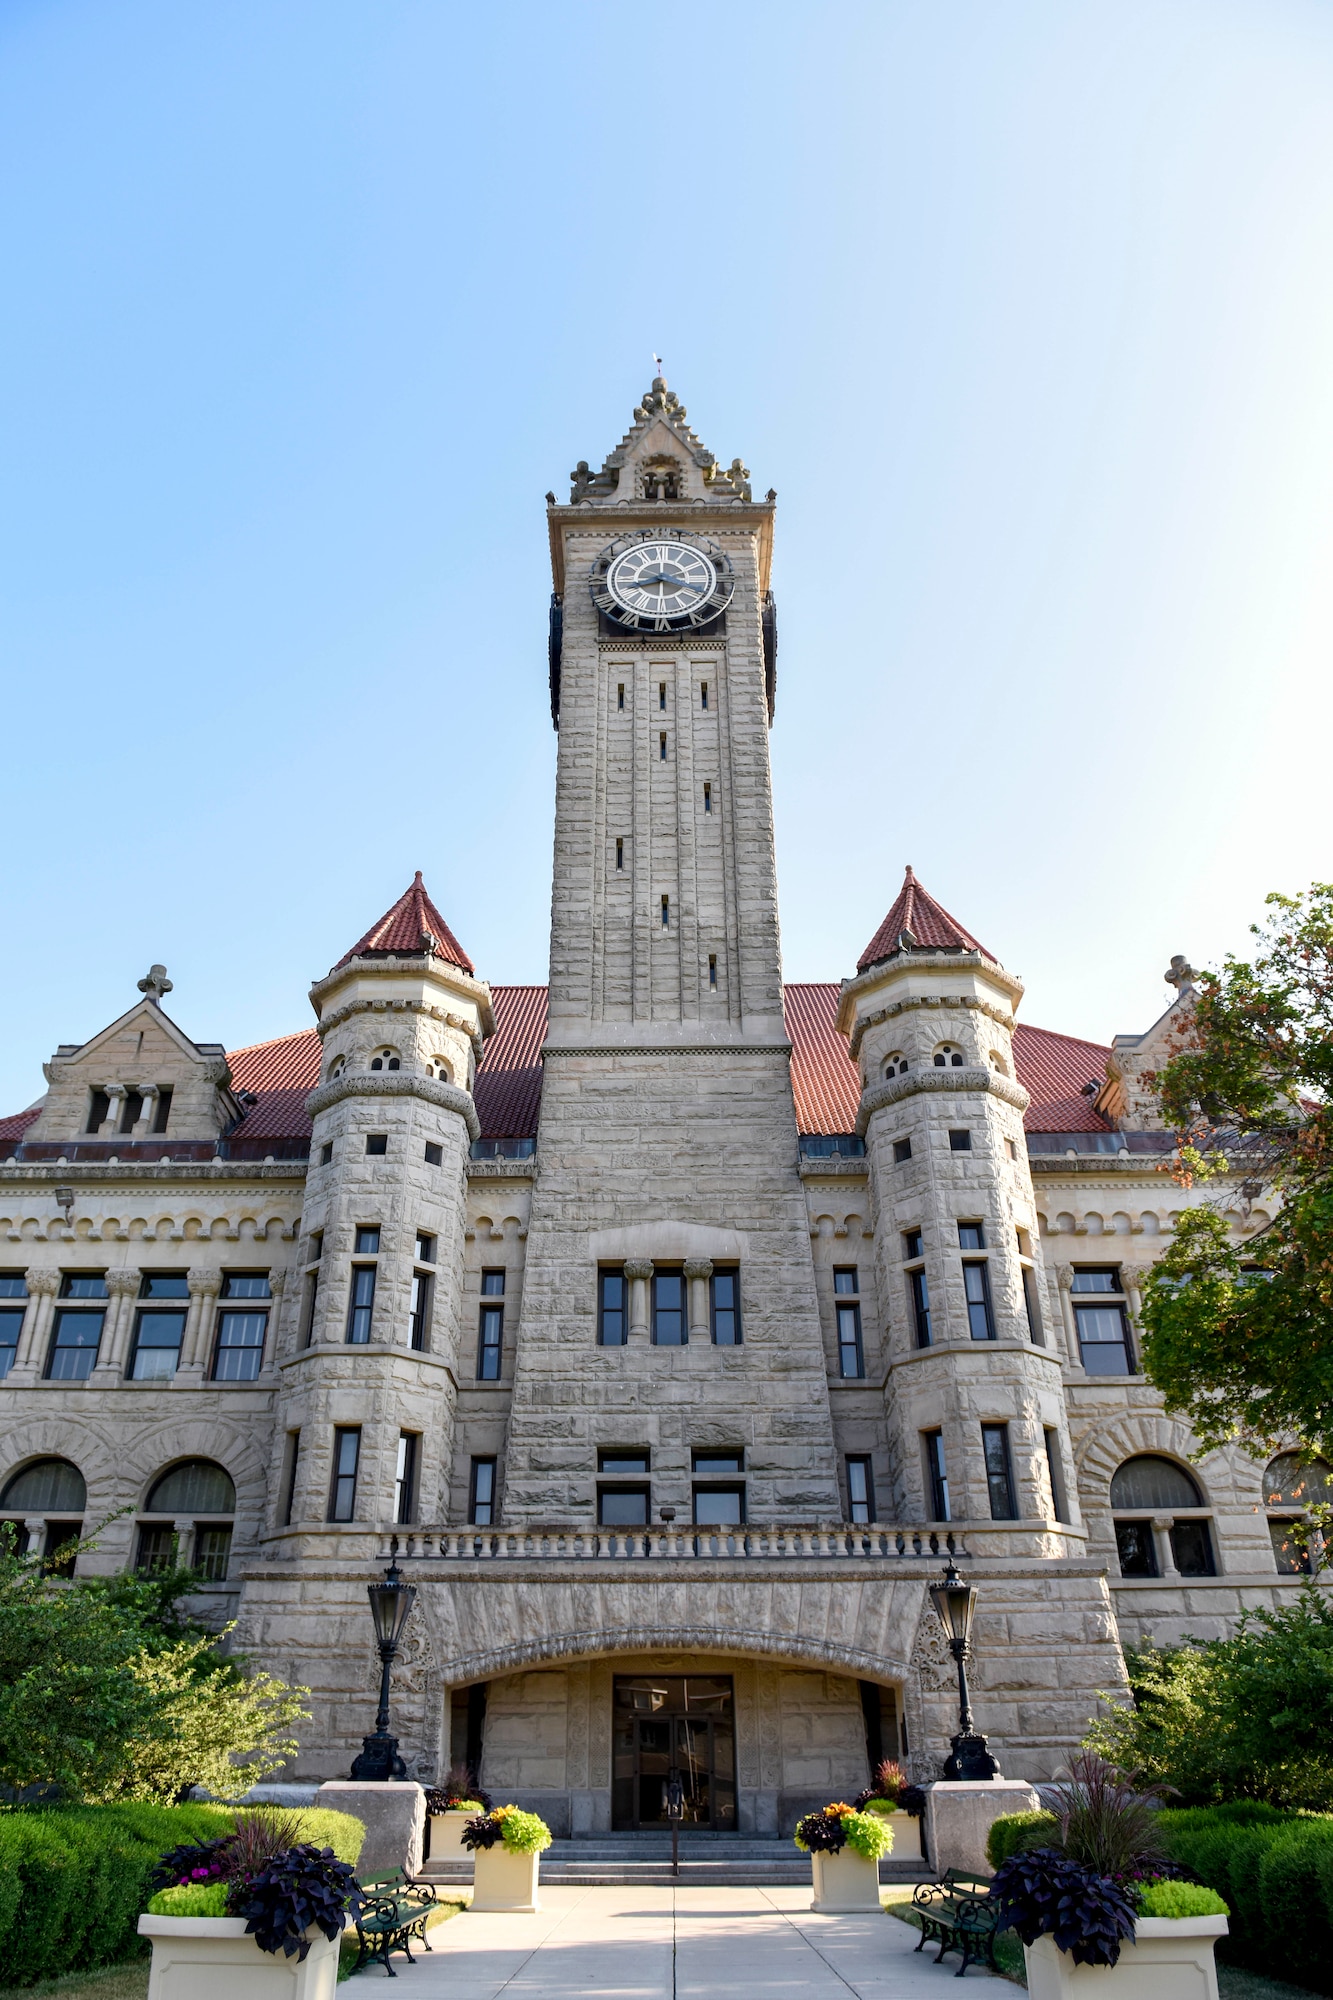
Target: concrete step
[725,1860]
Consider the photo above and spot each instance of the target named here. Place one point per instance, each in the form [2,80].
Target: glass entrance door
[674,1724]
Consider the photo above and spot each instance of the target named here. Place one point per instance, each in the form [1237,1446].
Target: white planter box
[504,1881]
[906,1833]
[844,1882]
[446,1835]
[216,1958]
[1170,1959]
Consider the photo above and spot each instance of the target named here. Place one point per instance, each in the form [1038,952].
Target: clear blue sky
[1026,310]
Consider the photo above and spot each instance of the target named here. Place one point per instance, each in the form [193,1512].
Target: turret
[975,1384]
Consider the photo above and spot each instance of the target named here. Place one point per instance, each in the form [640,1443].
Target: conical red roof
[917,923]
[403,929]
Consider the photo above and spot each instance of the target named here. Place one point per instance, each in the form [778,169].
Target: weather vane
[660,365]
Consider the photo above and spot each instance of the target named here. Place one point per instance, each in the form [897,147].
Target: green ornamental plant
[1179,1900]
[190,1899]
[508,1826]
[839,1825]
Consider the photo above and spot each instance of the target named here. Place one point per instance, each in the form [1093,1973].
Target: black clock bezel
[700,619]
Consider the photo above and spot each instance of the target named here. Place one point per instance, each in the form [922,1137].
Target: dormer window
[163,1108]
[98,1111]
[385,1059]
[948,1056]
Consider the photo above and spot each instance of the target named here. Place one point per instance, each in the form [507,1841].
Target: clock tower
[669,1297]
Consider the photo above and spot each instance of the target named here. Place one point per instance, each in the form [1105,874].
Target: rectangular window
[405,1478]
[1192,1547]
[718,1464]
[289,1484]
[99,1108]
[310,1307]
[918,1292]
[622,1506]
[157,1346]
[240,1346]
[1136,1548]
[999,1472]
[902,1150]
[1292,1557]
[960,1142]
[377,1144]
[83,1285]
[976,1290]
[669,1309]
[620,854]
[1030,1305]
[490,1327]
[1011,1149]
[846,1282]
[629,1460]
[163,1112]
[725,1304]
[1105,1279]
[342,1491]
[913,1245]
[434,1154]
[719,1506]
[971,1236]
[212,1553]
[422,1284]
[326,1154]
[851,1360]
[13,1285]
[159,1285]
[1055,1475]
[132,1111]
[481,1487]
[620,695]
[703,694]
[1103,1330]
[74,1346]
[712,969]
[661,747]
[708,798]
[661,694]
[612,1328]
[937,1478]
[860,1490]
[666,913]
[425,1248]
[361,1305]
[246,1285]
[158,1549]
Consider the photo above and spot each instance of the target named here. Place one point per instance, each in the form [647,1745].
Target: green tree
[1241,1342]
[214,1725]
[1245,1717]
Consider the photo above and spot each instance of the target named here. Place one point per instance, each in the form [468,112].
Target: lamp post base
[379,1762]
[971,1762]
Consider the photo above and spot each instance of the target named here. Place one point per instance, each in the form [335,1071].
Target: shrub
[191,1899]
[1019,1833]
[320,1826]
[1275,1870]
[1180,1899]
[1046,1894]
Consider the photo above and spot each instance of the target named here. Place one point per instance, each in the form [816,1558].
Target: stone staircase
[727,1860]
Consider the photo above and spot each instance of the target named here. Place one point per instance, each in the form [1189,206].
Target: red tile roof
[14,1127]
[508,1089]
[927,924]
[402,928]
[1052,1069]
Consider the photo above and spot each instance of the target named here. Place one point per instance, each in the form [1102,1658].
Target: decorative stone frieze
[396,1083]
[972,1077]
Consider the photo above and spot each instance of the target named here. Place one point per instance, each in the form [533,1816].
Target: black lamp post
[390,1604]
[955,1601]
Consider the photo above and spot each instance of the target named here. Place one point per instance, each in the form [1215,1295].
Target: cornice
[502,1170]
[395,1083]
[907,962]
[923,1081]
[674,1049]
[423,964]
[948,1002]
[328,1022]
[841,1167]
[204,1174]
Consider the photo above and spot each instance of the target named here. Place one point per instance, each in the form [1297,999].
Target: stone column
[637,1273]
[42,1288]
[1161,1530]
[143,1125]
[36,1531]
[277,1283]
[203,1286]
[699,1270]
[1064,1278]
[115,1097]
[122,1287]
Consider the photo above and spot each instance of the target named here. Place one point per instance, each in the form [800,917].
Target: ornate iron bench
[395,1911]
[957,1914]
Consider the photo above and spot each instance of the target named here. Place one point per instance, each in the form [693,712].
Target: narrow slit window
[342,1493]
[163,1111]
[708,798]
[405,1478]
[293,1465]
[936,1475]
[703,694]
[620,854]
[481,1499]
[999,1472]
[661,695]
[661,747]
[860,1490]
[712,968]
[666,913]
[620,695]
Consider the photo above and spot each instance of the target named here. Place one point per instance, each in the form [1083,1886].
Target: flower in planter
[840,1825]
[458,1792]
[305,1886]
[885,1792]
[1048,1894]
[521,1832]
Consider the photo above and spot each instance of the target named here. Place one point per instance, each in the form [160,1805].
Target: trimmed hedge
[1015,1833]
[1275,1870]
[73,1880]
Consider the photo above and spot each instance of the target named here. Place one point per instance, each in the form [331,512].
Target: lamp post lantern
[955,1601]
[390,1604]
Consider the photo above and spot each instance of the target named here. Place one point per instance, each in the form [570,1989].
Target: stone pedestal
[958,1818]
[394,1817]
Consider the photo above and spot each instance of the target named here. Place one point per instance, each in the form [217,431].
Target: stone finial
[156,985]
[739,475]
[1181,976]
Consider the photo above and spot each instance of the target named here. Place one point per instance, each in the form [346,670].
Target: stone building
[676,1322]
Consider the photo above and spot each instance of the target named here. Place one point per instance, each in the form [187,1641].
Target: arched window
[1291,1484]
[195,1487]
[48,1487]
[896,1065]
[437,1067]
[337,1066]
[1143,1491]
[949,1056]
[385,1059]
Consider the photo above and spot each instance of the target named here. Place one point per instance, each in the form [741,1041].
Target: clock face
[651,584]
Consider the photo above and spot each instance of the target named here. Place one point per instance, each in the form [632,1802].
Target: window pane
[346,1453]
[246,1285]
[157,1344]
[88,1285]
[971,1236]
[405,1478]
[622,1507]
[240,1346]
[724,1508]
[976,1286]
[11,1324]
[1292,1557]
[492,1284]
[718,1462]
[74,1350]
[361,1312]
[622,1461]
[164,1285]
[850,1361]
[1030,1306]
[1107,1280]
[482,1503]
[212,1552]
[920,1306]
[491,1343]
[999,1478]
[1153,1482]
[846,1282]
[1102,1338]
[726,1305]
[668,1309]
[1191,1545]
[912,1244]
[939,1483]
[157,1549]
[1291,1480]
[196,1487]
[860,1491]
[611,1308]
[13,1285]
[1138,1557]
[52,1483]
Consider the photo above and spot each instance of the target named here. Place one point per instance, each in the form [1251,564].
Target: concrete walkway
[675,1944]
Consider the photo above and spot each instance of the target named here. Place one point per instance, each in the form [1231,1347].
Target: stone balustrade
[753,1543]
